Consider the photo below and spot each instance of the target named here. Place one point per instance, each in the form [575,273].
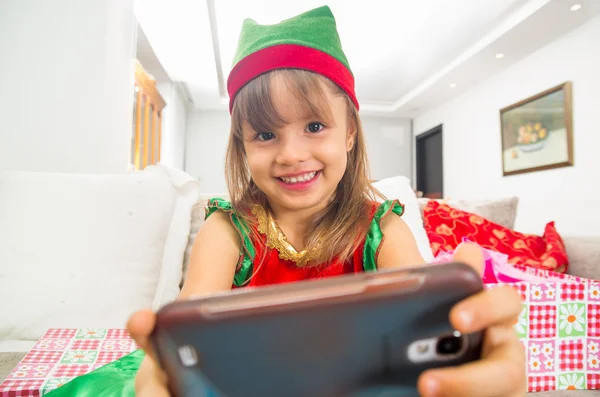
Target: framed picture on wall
[537,132]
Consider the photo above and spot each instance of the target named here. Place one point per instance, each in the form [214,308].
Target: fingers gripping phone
[367,334]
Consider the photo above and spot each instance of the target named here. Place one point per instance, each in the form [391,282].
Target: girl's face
[299,164]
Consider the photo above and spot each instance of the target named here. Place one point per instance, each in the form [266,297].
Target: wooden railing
[148,106]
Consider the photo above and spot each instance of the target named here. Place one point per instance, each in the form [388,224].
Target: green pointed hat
[309,41]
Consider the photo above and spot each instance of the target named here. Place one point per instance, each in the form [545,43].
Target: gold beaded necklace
[277,240]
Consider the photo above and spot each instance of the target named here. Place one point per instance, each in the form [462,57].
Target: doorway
[430,163]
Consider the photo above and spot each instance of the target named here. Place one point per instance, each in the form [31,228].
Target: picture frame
[537,133]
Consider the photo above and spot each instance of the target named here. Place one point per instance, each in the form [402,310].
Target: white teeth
[301,178]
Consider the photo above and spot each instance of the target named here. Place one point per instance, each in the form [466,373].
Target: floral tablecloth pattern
[62,354]
[559,326]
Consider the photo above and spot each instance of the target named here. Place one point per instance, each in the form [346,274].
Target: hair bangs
[307,90]
[255,104]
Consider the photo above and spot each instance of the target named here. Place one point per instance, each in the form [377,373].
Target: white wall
[207,136]
[388,144]
[173,133]
[472,160]
[66,85]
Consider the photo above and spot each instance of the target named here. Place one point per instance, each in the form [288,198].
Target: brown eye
[315,127]
[265,136]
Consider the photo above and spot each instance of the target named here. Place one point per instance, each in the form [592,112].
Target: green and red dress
[117,379]
[274,270]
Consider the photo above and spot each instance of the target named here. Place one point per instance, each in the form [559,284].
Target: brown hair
[343,224]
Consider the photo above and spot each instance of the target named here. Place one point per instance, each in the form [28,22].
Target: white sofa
[89,250]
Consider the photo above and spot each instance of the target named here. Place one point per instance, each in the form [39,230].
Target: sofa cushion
[502,211]
[399,187]
[447,227]
[584,256]
[88,250]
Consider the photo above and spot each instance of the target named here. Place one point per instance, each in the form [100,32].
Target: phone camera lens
[449,345]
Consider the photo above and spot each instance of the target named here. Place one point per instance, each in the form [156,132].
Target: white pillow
[89,250]
[399,187]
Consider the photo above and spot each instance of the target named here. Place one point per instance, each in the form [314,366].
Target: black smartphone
[366,334]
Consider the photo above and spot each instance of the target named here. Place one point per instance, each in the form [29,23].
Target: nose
[292,151]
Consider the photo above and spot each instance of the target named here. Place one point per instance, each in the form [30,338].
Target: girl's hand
[150,380]
[501,370]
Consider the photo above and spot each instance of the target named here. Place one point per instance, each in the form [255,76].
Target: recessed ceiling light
[452,85]
[499,55]
[575,7]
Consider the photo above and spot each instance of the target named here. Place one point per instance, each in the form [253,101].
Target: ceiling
[147,57]
[407,56]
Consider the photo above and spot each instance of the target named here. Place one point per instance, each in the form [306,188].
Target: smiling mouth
[299,178]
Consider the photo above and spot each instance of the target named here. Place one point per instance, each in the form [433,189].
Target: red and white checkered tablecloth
[63,354]
[559,327]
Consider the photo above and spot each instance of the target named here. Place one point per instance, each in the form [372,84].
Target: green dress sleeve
[248,253]
[375,235]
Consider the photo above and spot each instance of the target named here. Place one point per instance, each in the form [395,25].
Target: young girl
[302,207]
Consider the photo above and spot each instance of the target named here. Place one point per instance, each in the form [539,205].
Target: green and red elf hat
[309,41]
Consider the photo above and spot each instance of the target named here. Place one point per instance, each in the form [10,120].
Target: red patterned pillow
[446,227]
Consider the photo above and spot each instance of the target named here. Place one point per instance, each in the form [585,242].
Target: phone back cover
[357,349]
